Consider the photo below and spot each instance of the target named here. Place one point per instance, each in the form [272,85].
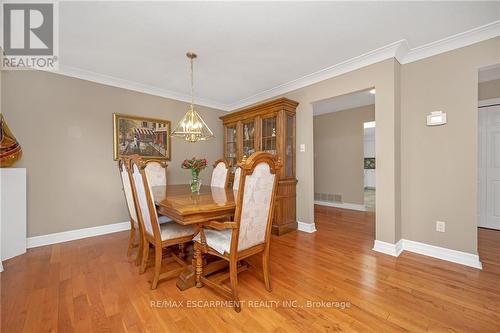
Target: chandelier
[192,128]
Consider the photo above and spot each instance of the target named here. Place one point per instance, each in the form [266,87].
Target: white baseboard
[388,248]
[66,236]
[306,227]
[458,257]
[463,258]
[344,205]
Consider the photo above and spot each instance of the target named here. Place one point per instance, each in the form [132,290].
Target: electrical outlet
[440,226]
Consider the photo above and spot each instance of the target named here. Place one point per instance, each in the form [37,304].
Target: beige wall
[439,164]
[338,152]
[65,128]
[489,89]
[384,76]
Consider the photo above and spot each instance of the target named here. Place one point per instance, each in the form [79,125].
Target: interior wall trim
[486,102]
[400,50]
[344,205]
[70,235]
[306,227]
[458,257]
[134,86]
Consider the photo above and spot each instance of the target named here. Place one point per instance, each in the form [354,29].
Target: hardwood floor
[89,285]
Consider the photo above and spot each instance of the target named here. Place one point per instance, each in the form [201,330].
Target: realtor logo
[29,35]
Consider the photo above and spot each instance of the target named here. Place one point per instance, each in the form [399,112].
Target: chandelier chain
[192,83]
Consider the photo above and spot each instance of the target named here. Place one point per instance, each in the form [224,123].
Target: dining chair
[220,173]
[125,175]
[160,236]
[249,233]
[156,171]
[237,176]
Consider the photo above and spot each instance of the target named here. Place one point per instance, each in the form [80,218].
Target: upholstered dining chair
[237,176]
[160,236]
[156,170]
[249,233]
[220,173]
[124,167]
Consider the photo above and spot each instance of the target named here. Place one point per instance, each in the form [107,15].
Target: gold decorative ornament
[10,149]
[192,128]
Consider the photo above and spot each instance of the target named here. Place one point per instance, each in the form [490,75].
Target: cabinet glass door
[269,133]
[248,138]
[231,148]
[289,146]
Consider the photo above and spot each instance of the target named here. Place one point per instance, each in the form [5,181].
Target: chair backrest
[156,170]
[146,210]
[124,167]
[237,176]
[256,201]
[219,175]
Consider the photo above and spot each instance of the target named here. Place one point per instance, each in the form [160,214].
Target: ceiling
[245,49]
[344,102]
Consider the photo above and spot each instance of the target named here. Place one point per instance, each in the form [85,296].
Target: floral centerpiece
[195,165]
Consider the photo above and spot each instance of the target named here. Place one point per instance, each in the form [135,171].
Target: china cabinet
[268,127]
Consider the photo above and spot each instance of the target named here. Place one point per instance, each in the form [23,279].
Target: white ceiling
[245,48]
[344,102]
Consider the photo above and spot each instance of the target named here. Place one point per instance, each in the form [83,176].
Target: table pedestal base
[187,279]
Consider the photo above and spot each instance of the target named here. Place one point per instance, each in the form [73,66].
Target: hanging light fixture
[192,128]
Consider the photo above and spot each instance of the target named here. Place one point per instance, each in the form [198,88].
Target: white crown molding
[344,205]
[386,52]
[66,236]
[134,86]
[466,38]
[458,257]
[399,50]
[306,227]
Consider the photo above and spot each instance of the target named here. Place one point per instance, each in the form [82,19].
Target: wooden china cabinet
[268,127]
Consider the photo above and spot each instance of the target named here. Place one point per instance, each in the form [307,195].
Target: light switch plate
[302,148]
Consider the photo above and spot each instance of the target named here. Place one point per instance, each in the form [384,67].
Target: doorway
[344,151]
[489,148]
[369,165]
[489,166]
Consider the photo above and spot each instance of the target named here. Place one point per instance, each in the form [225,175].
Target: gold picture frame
[146,137]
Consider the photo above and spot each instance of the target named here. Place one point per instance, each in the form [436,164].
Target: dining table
[187,208]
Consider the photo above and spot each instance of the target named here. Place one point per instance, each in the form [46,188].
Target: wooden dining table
[211,203]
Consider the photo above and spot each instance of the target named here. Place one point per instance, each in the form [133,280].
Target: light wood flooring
[90,285]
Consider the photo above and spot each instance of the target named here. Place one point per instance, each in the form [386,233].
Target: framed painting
[370,163]
[146,137]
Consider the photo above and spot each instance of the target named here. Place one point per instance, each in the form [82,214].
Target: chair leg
[145,256]
[233,277]
[158,257]
[199,264]
[131,241]
[140,251]
[265,269]
[182,252]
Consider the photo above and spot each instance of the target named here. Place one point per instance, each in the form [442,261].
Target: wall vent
[328,197]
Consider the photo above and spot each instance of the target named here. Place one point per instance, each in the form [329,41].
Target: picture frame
[147,137]
[369,163]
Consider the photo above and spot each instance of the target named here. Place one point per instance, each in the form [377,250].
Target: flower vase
[195,181]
